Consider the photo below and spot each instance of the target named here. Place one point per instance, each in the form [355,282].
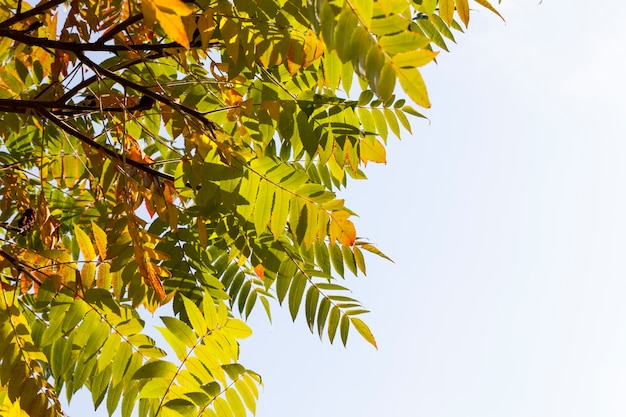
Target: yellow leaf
[413,85]
[100,238]
[168,15]
[313,49]
[341,228]
[176,7]
[462,8]
[84,243]
[413,59]
[389,7]
[370,149]
[446,10]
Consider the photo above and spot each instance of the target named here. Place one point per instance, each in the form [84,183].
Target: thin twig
[118,28]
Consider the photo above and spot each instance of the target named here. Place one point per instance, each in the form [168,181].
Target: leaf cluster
[189,153]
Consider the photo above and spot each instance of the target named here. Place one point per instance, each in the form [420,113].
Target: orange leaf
[313,49]
[233,98]
[153,281]
[341,228]
[259,270]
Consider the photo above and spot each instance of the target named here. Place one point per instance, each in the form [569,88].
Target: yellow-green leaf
[386,82]
[100,238]
[263,206]
[393,6]
[84,243]
[370,149]
[414,59]
[413,85]
[238,329]
[364,9]
[156,369]
[280,213]
[363,330]
[403,42]
[195,317]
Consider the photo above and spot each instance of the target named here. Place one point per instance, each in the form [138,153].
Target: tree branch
[59,109]
[87,82]
[17,264]
[79,47]
[33,12]
[107,151]
[118,28]
[147,92]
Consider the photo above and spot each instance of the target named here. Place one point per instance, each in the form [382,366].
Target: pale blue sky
[506,220]
[505,216]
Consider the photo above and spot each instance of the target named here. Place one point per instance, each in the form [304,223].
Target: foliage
[188,153]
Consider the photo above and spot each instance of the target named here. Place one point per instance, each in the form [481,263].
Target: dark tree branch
[33,12]
[17,264]
[147,92]
[87,82]
[67,128]
[118,28]
[80,47]
[59,109]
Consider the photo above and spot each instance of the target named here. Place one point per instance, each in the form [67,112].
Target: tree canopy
[188,153]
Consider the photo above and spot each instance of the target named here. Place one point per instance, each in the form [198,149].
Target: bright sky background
[505,216]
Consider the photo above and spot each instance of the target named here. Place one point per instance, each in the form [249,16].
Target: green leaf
[333,323]
[279,213]
[195,316]
[296,291]
[310,306]
[156,369]
[344,328]
[263,207]
[322,315]
[336,258]
[348,259]
[84,243]
[386,25]
[180,330]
